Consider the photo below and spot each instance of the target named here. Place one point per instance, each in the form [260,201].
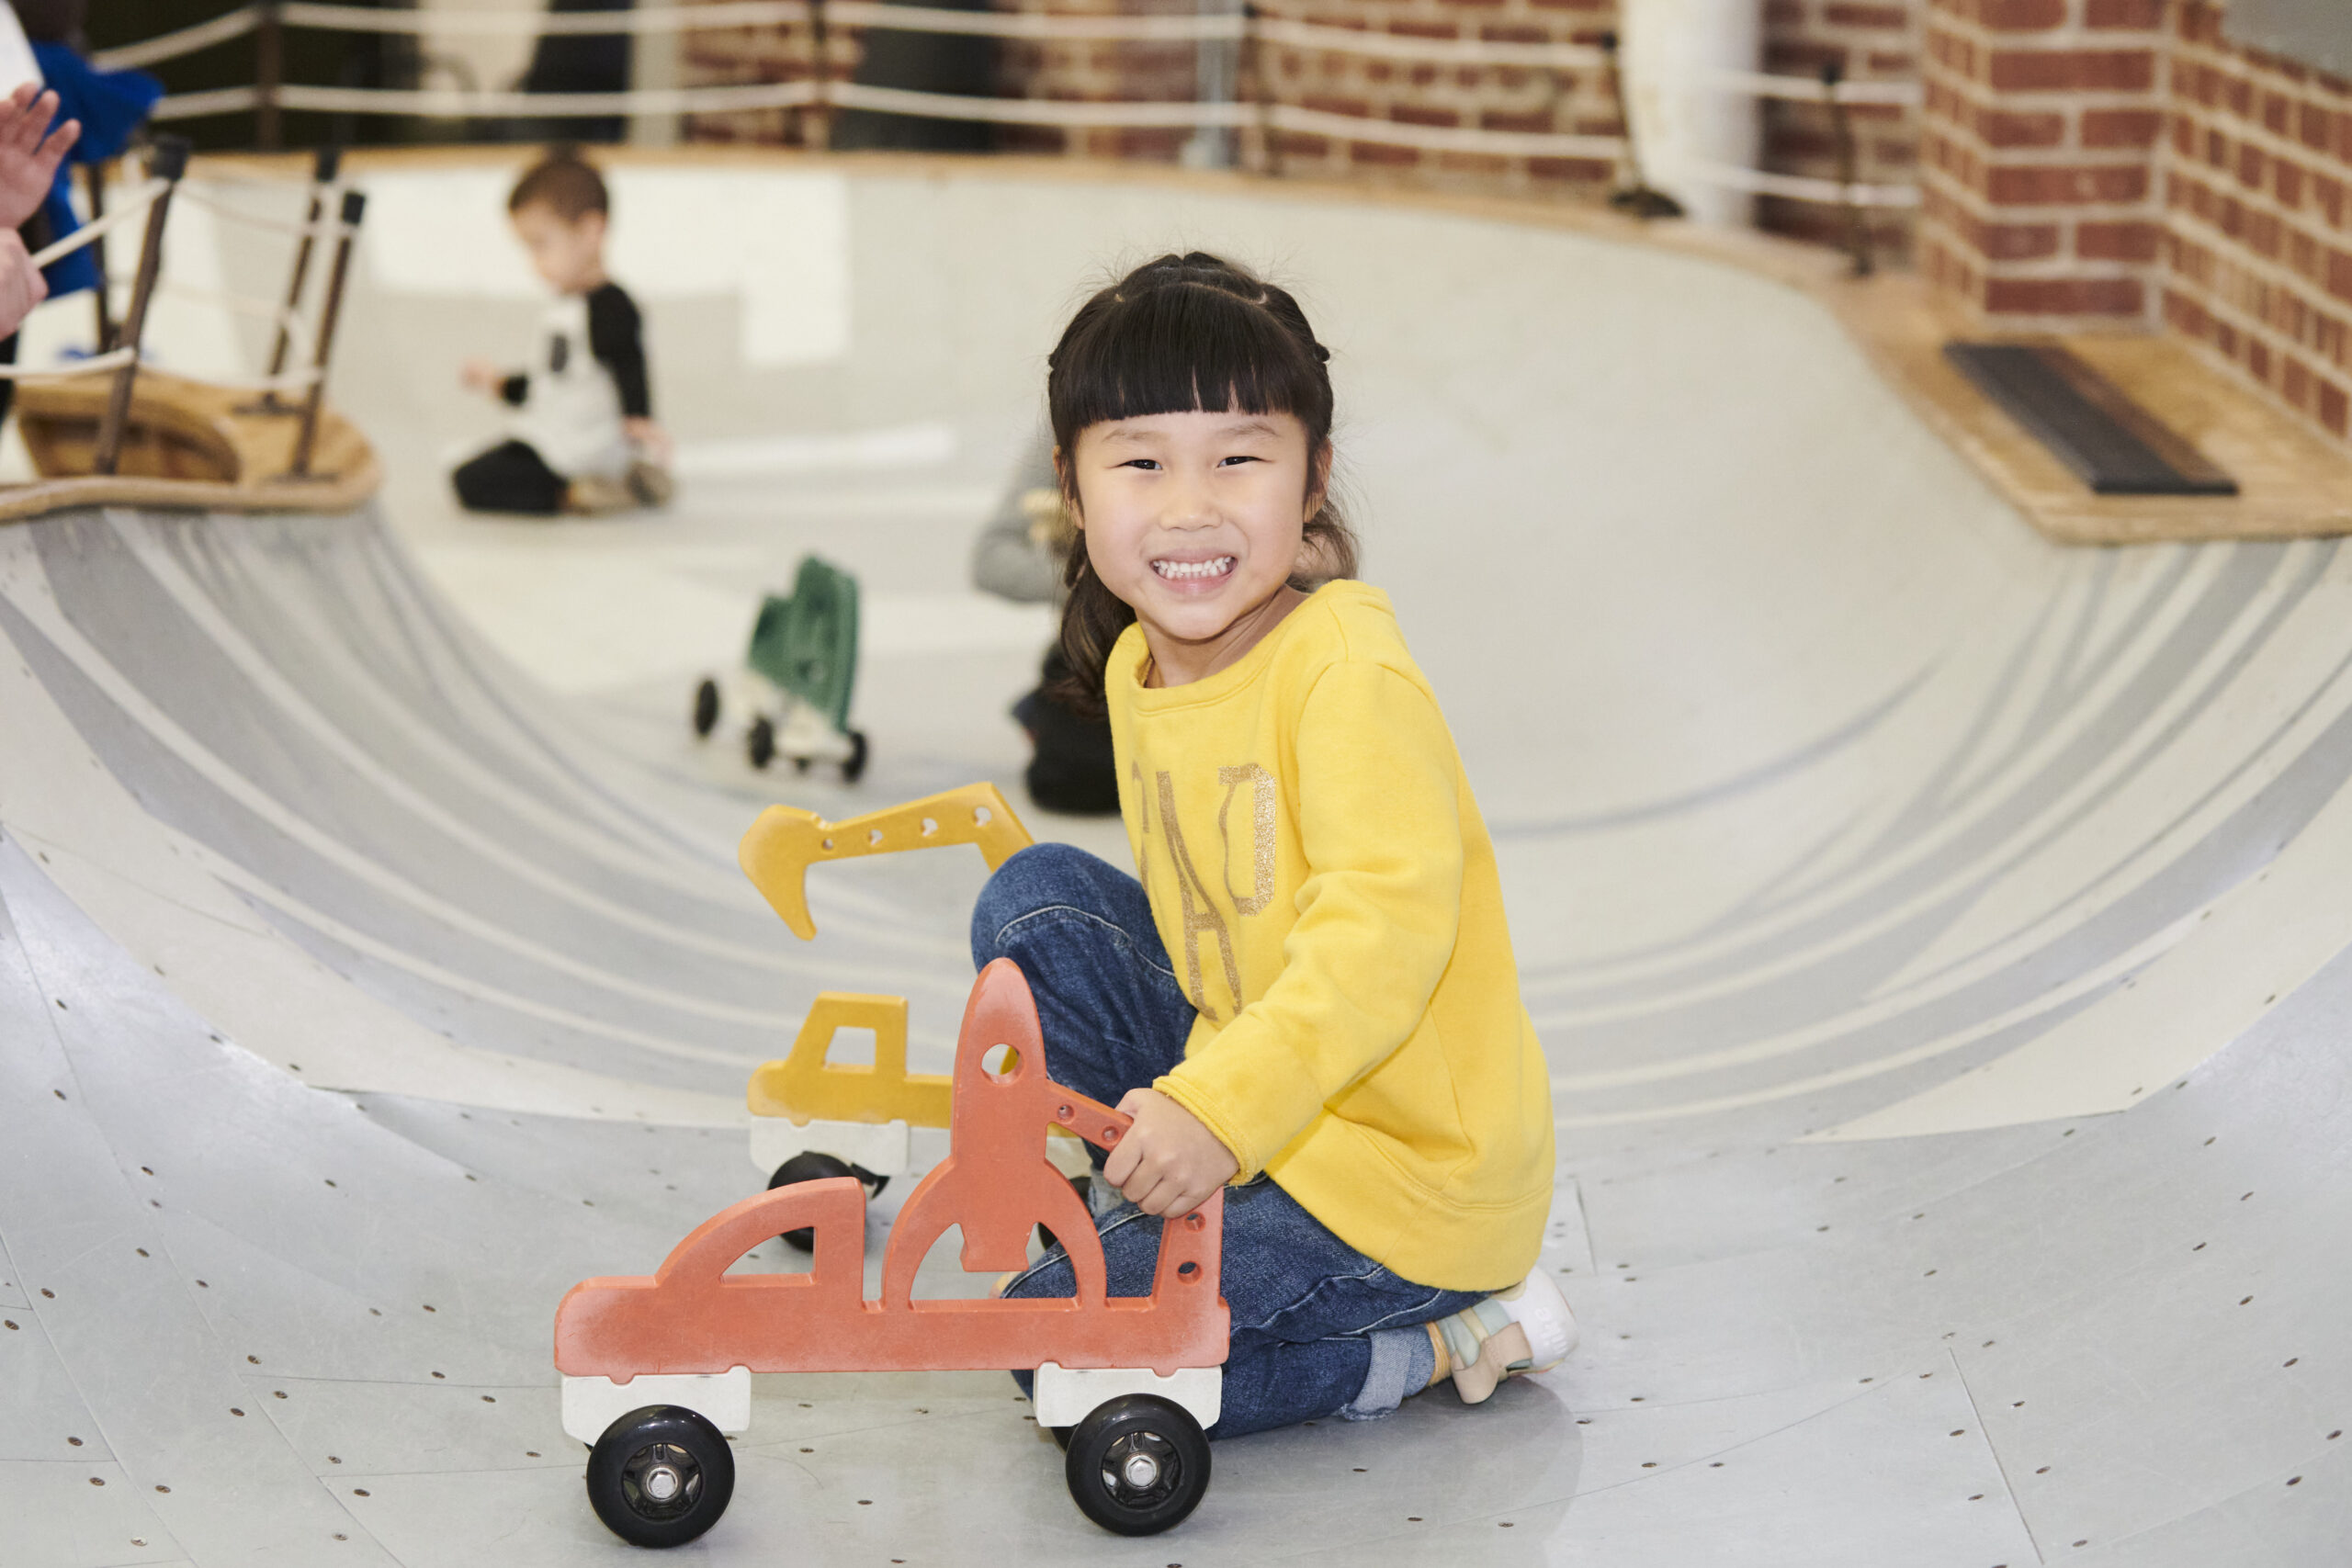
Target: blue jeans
[1318,1328]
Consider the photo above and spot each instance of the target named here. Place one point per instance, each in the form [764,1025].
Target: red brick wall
[2257,264]
[2040,198]
[1869,41]
[1574,102]
[711,57]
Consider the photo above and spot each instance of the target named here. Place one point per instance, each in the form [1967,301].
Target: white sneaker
[1527,1328]
[1537,1305]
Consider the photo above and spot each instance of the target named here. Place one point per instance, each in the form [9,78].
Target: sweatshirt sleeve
[1379,820]
[616,339]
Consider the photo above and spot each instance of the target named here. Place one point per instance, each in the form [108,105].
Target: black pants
[1072,770]
[510,476]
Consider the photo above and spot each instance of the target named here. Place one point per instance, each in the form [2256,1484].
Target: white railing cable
[134,202]
[326,228]
[109,360]
[1033,24]
[1442,138]
[1799,187]
[1812,90]
[194,106]
[545,24]
[186,40]
[449,102]
[869,14]
[1067,112]
[1432,50]
[269,310]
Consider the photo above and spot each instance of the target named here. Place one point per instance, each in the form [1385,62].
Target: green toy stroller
[797,675]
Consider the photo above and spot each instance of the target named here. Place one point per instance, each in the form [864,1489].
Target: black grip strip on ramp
[2115,445]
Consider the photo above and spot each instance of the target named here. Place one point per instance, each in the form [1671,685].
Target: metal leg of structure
[168,164]
[327,164]
[354,204]
[94,180]
[1636,197]
[1841,127]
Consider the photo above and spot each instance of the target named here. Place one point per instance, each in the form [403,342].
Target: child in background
[1338,1039]
[585,439]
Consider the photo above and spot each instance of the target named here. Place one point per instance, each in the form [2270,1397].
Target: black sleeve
[615,340]
[515,389]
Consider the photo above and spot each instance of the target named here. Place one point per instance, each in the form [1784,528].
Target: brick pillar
[2040,205]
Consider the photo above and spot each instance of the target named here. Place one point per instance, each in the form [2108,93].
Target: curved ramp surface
[1938,936]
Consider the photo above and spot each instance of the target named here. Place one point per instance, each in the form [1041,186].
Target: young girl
[1309,997]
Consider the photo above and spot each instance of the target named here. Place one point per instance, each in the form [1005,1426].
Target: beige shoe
[592,495]
[1527,1328]
[651,483]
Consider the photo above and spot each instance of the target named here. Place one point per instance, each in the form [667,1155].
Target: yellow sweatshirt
[1328,894]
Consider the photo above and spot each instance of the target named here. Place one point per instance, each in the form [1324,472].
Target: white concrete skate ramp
[1938,935]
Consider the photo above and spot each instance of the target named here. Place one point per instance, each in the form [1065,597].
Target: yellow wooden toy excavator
[819,1118]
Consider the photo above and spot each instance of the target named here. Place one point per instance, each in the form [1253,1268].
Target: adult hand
[29,151]
[21,284]
[1167,1163]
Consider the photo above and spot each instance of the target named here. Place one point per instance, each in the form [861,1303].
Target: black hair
[1180,334]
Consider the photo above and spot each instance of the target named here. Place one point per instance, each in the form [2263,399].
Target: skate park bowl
[1937,933]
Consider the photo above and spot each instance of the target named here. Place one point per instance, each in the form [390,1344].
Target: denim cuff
[1402,1362]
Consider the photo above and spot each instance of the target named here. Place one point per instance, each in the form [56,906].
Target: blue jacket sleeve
[111,106]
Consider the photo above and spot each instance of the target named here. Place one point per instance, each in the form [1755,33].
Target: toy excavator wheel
[760,744]
[815,1166]
[853,765]
[705,708]
[1137,1466]
[661,1476]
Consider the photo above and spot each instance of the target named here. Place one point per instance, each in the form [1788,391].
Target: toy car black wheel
[705,707]
[1138,1464]
[661,1476]
[814,1166]
[853,765]
[760,744]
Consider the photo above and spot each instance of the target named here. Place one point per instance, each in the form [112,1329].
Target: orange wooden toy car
[655,1371]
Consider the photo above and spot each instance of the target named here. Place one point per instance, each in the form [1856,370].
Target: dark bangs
[1188,333]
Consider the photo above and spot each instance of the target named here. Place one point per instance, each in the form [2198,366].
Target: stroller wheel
[853,764]
[760,744]
[705,708]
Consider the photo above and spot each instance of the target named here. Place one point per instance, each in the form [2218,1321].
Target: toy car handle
[778,849]
[1090,1119]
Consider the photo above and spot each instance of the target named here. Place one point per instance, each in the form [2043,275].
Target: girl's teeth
[1193,569]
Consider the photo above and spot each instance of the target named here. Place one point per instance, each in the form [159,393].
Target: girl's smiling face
[1195,520]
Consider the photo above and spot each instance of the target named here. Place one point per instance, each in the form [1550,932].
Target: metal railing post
[270,74]
[1841,131]
[325,164]
[168,162]
[354,204]
[1261,89]
[94,177]
[1639,199]
[816,120]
